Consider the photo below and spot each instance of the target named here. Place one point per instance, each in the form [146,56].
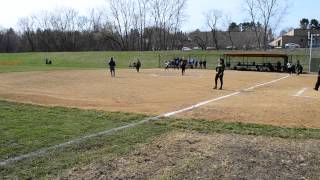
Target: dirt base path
[218,156]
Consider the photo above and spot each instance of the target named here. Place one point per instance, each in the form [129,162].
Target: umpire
[220,72]
[318,81]
[112,66]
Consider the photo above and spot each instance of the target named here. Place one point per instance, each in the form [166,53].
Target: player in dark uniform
[289,67]
[112,66]
[200,64]
[318,81]
[220,72]
[138,65]
[183,65]
[299,68]
[204,62]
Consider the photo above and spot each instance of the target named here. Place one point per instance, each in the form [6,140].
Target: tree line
[144,25]
[129,25]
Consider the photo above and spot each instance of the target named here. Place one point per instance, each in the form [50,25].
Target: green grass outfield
[85,60]
[26,128]
[13,62]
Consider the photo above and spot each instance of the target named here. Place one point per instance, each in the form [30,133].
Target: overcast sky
[12,10]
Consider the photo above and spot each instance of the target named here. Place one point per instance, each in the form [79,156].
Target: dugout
[257,61]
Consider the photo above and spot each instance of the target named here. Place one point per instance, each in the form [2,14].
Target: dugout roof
[256,54]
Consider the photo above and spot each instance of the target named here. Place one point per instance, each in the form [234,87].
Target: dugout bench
[266,65]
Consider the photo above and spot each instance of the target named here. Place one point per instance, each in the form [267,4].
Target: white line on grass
[45,150]
[110,131]
[299,93]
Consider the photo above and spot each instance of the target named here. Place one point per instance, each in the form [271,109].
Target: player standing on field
[289,67]
[220,72]
[112,66]
[138,65]
[183,65]
[299,68]
[318,81]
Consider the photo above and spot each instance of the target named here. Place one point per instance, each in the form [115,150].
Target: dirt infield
[279,104]
[217,156]
[156,91]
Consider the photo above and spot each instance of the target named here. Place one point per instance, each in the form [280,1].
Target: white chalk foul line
[110,131]
[199,104]
[307,97]
[263,84]
[299,93]
[45,150]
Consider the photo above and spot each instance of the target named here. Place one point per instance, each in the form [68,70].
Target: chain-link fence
[315,62]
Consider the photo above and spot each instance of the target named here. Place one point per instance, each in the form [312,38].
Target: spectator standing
[204,62]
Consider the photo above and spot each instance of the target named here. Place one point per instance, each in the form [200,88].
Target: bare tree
[42,22]
[27,25]
[96,19]
[200,38]
[212,19]
[71,18]
[161,14]
[142,18]
[251,8]
[269,12]
[230,28]
[63,22]
[167,17]
[179,15]
[123,14]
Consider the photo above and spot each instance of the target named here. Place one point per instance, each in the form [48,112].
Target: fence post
[159,59]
